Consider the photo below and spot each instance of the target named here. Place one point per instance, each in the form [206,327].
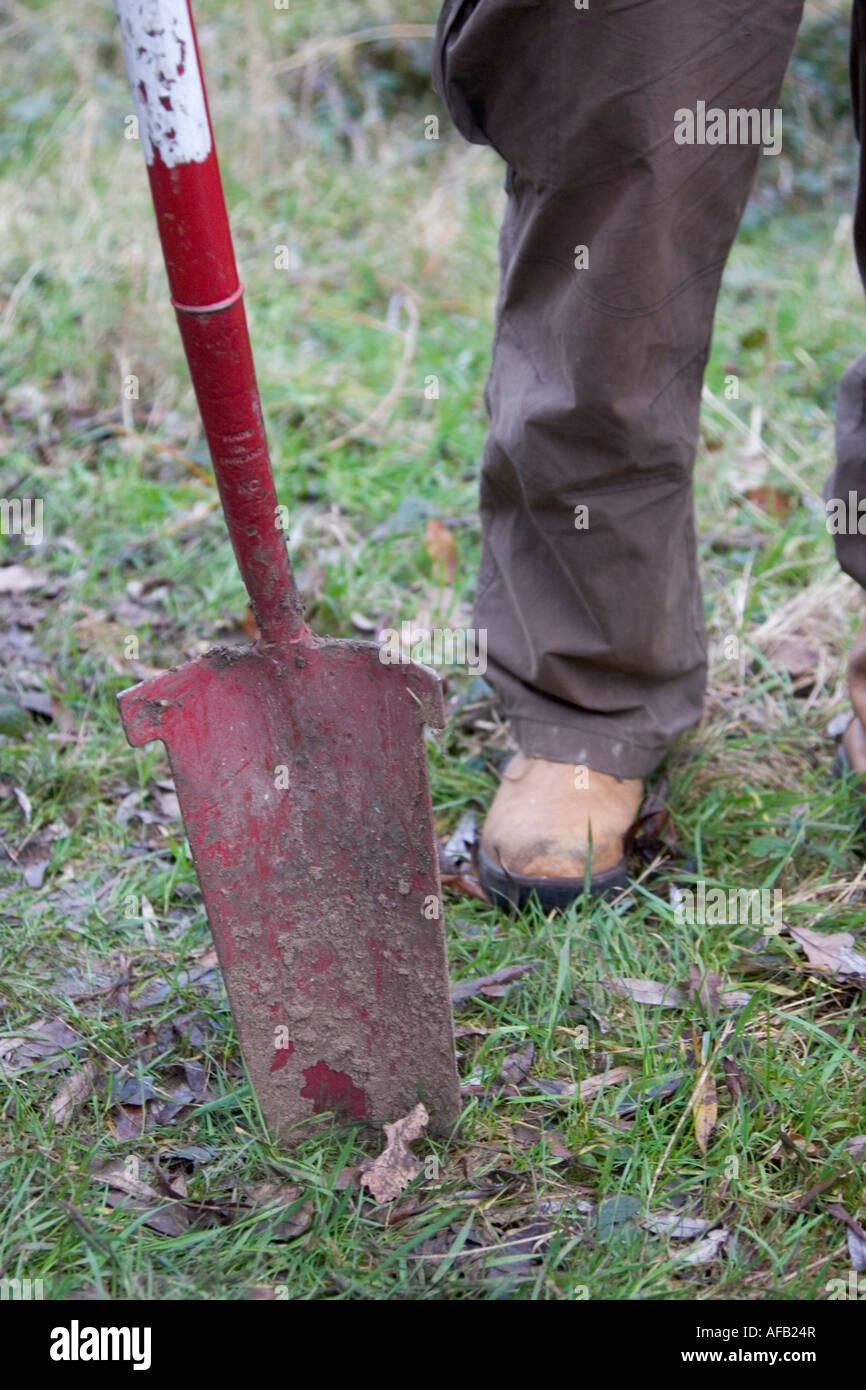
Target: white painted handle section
[165,79]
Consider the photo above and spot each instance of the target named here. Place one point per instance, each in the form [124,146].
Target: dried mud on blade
[303,785]
[299,762]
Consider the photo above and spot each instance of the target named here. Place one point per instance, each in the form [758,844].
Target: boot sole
[514,891]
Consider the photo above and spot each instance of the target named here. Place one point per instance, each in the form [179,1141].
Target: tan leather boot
[852,750]
[536,836]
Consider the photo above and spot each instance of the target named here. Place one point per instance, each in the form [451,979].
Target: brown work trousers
[615,236]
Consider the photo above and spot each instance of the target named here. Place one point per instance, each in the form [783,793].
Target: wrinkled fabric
[612,248]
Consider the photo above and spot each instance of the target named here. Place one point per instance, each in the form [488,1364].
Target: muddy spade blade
[299,761]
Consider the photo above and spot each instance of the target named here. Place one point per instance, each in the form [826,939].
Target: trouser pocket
[496,67]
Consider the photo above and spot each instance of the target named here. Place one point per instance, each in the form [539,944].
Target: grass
[540,1193]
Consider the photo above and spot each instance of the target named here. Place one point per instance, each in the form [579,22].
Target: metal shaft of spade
[174,123]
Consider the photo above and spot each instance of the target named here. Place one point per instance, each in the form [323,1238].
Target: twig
[150,443]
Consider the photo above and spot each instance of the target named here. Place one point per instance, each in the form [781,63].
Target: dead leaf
[556,1145]
[587,1089]
[856,1147]
[128,1121]
[148,921]
[647,991]
[168,804]
[653,826]
[270,1197]
[706,1250]
[167,1220]
[396,1166]
[50,1043]
[516,1065]
[441,546]
[704,986]
[856,1234]
[772,500]
[18,579]
[675,1226]
[464,885]
[735,1078]
[461,843]
[669,996]
[705,1108]
[493,984]
[796,656]
[73,1092]
[590,1088]
[856,1250]
[125,1175]
[34,874]
[833,951]
[24,802]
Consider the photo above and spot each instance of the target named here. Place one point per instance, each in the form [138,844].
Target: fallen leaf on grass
[856,1234]
[386,1176]
[34,873]
[795,655]
[73,1093]
[268,1198]
[668,996]
[18,579]
[128,1122]
[588,1089]
[460,846]
[856,1147]
[856,1250]
[465,885]
[652,829]
[157,989]
[775,501]
[454,873]
[833,951]
[707,1249]
[704,986]
[675,1226]
[165,1220]
[705,1108]
[661,1090]
[516,1065]
[125,1175]
[515,1256]
[48,1042]
[735,1078]
[130,1190]
[556,1145]
[647,991]
[441,546]
[492,985]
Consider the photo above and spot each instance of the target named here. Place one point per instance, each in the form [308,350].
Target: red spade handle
[162,61]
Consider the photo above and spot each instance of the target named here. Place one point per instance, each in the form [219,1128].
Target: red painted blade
[303,785]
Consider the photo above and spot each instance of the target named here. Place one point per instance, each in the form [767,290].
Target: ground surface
[132,1158]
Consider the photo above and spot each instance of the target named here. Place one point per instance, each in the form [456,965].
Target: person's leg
[612,249]
[848,483]
[594,618]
